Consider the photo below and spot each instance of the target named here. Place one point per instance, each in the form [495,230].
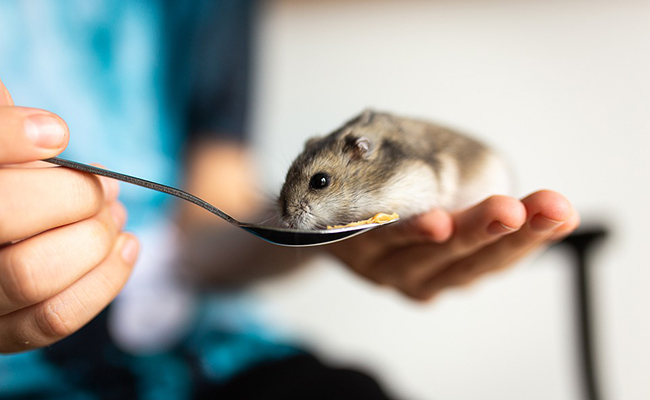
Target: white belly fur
[417,189]
[495,178]
[411,191]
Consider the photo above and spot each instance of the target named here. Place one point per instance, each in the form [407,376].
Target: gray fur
[367,155]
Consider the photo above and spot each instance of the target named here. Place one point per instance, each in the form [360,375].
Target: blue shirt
[135,81]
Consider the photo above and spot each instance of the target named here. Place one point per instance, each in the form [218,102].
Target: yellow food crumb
[379,218]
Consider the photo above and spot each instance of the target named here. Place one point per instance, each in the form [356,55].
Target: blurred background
[562,89]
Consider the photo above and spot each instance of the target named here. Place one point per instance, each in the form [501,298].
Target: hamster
[379,162]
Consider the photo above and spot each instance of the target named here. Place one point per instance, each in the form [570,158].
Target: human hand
[439,250]
[63,256]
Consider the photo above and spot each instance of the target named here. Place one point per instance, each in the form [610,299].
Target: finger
[29,134]
[475,228]
[567,228]
[110,186]
[485,223]
[547,212]
[363,252]
[5,97]
[53,319]
[45,198]
[42,266]
[436,226]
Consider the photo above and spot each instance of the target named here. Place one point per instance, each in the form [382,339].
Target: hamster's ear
[367,116]
[360,147]
[312,141]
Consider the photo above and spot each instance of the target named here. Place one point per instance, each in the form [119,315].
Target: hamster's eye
[320,180]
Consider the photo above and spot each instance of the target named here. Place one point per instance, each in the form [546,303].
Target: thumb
[5,97]
[28,134]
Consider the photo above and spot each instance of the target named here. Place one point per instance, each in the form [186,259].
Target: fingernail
[541,224]
[129,251]
[118,212]
[497,228]
[45,131]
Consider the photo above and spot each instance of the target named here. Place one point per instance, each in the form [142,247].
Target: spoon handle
[144,183]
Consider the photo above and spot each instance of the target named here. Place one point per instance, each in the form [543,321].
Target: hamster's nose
[296,213]
[304,206]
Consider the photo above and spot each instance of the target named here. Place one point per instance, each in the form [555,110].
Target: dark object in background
[297,378]
[581,244]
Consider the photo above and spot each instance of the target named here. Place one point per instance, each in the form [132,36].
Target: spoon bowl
[279,236]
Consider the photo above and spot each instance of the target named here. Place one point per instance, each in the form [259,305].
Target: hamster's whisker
[270,218]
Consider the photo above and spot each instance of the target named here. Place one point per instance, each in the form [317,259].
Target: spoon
[279,236]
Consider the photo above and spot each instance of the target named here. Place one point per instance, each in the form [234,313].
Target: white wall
[563,89]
